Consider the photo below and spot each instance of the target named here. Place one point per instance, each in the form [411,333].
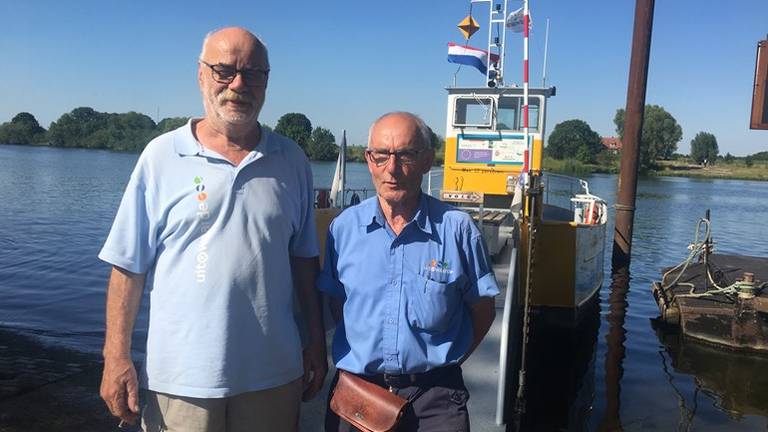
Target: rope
[697,248]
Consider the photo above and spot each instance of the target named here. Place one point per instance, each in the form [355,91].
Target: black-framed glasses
[225,74]
[403,157]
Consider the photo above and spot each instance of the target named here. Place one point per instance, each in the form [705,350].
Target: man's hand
[315,368]
[119,386]
[120,389]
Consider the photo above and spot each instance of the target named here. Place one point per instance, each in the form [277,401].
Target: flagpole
[526,135]
[546,45]
[343,159]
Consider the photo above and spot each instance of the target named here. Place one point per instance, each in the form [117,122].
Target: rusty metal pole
[633,127]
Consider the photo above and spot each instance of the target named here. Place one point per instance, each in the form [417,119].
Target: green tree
[438,143]
[356,153]
[728,158]
[124,132]
[661,133]
[574,139]
[22,129]
[749,161]
[297,127]
[72,129]
[322,145]
[169,124]
[704,148]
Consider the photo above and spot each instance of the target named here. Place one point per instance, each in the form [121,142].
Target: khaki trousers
[274,409]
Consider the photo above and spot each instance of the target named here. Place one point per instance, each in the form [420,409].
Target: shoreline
[49,388]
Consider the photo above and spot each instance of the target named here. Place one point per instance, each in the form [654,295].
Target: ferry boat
[494,146]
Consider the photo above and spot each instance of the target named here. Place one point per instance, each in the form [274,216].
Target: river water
[57,205]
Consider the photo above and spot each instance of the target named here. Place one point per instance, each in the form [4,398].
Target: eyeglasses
[225,74]
[403,157]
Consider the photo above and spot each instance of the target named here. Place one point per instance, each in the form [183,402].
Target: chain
[532,192]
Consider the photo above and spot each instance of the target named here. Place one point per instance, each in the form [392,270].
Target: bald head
[235,39]
[422,135]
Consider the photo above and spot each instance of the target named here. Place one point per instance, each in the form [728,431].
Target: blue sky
[344,63]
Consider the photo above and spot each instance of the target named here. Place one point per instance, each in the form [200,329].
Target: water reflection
[560,373]
[734,382]
[614,358]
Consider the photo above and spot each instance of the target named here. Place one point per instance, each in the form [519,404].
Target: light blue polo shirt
[215,241]
[407,296]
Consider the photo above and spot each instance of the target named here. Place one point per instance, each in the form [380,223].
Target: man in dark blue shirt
[410,282]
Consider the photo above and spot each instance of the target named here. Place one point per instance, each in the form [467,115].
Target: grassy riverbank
[737,169]
[733,170]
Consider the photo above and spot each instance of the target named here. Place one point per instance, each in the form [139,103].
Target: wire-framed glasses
[225,74]
[403,157]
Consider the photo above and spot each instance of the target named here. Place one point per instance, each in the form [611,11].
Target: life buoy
[593,213]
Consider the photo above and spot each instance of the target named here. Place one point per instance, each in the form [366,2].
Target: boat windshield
[509,115]
[473,112]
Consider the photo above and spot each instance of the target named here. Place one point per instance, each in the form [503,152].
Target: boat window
[476,112]
[510,114]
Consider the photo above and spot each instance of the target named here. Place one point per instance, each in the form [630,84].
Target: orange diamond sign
[468,26]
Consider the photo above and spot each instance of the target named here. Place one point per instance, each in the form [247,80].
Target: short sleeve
[304,242]
[328,279]
[131,243]
[479,268]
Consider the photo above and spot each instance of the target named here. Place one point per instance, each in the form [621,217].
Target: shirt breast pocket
[432,305]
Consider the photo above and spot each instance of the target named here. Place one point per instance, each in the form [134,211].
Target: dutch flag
[467,55]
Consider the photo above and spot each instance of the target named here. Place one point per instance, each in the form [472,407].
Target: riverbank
[736,170]
[721,170]
[48,388]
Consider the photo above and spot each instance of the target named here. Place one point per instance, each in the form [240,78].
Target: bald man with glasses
[217,224]
[410,283]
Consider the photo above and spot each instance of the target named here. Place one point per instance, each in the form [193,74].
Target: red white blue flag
[466,55]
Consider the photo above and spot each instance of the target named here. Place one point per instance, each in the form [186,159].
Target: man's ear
[429,160]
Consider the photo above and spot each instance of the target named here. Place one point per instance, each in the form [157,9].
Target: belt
[423,379]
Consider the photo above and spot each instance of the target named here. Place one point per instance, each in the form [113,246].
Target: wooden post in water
[633,127]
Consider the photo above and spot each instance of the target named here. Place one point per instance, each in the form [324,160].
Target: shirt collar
[421,218]
[190,146]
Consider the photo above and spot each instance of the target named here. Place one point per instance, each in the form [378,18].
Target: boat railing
[323,197]
[434,180]
[559,189]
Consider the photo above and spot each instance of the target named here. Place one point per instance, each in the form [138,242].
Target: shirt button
[391,321]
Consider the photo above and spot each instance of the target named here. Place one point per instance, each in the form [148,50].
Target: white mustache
[229,95]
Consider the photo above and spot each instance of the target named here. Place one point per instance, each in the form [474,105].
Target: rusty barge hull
[733,321]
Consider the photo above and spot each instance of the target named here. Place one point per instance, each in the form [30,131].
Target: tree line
[575,139]
[85,127]
[319,143]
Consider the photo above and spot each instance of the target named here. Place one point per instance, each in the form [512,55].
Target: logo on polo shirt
[437,266]
[203,215]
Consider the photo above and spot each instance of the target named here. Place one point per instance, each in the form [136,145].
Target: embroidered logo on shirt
[438,266]
[201,259]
